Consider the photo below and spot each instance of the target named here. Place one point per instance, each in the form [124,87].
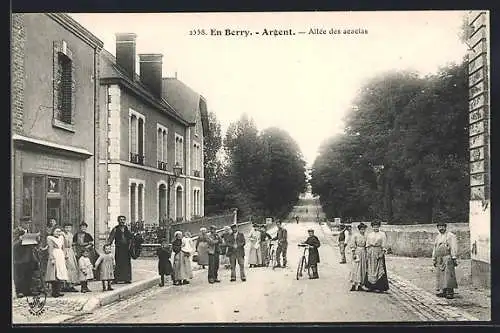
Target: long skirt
[56,271]
[202,253]
[263,252]
[123,268]
[376,277]
[254,256]
[359,266]
[71,265]
[182,267]
[445,273]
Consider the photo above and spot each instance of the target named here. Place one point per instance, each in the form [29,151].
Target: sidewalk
[412,281]
[144,276]
[61,309]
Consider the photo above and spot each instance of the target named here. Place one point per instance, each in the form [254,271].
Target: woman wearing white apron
[56,267]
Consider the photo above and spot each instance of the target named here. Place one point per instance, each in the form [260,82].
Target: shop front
[49,186]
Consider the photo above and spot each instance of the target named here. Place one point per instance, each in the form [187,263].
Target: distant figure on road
[375,249]
[236,252]
[359,261]
[313,258]
[282,237]
[297,219]
[444,257]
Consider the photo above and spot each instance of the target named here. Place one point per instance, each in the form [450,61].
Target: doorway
[54,210]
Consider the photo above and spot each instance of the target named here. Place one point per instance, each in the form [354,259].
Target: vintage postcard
[274,167]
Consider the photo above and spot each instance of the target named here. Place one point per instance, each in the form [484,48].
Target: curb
[116,295]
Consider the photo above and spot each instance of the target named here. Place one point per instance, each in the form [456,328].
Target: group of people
[368,252]
[212,249]
[62,260]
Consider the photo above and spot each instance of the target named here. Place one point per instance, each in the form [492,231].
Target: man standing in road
[444,257]
[344,238]
[214,241]
[236,252]
[122,237]
[282,237]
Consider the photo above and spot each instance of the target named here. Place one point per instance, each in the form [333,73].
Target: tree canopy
[403,154]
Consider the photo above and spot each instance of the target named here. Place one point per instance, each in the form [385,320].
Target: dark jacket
[282,236]
[214,241]
[313,252]
[239,251]
[164,263]
[177,245]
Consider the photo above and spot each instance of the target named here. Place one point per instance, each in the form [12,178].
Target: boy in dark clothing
[164,264]
[313,259]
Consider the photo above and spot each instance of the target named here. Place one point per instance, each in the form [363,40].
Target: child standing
[106,264]
[86,272]
[164,264]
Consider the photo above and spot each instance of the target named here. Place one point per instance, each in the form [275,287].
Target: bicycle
[271,252]
[303,262]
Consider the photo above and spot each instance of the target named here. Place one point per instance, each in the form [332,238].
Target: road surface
[267,295]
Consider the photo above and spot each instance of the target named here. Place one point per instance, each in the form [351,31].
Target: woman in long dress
[82,240]
[264,245]
[254,254]
[359,259]
[188,250]
[202,248]
[182,271]
[376,277]
[71,262]
[56,267]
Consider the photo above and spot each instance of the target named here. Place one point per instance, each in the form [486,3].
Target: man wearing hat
[344,238]
[236,252]
[313,258]
[214,241]
[282,237]
[444,257]
[25,261]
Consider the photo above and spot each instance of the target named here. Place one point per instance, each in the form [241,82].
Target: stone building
[150,126]
[55,66]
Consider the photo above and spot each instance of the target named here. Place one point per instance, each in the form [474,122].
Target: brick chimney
[125,52]
[151,72]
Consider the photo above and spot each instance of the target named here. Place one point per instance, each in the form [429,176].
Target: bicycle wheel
[300,267]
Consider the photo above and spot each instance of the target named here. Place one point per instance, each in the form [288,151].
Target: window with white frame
[136,200]
[136,137]
[179,149]
[196,159]
[196,202]
[161,146]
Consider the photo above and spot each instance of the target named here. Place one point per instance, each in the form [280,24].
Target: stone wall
[418,240]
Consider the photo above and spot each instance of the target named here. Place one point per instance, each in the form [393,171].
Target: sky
[303,83]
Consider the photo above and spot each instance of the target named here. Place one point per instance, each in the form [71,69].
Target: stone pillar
[479,137]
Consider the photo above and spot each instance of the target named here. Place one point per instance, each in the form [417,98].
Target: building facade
[143,137]
[55,66]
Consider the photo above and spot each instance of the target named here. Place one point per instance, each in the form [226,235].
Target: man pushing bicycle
[313,258]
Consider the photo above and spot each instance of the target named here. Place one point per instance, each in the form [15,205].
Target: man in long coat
[236,252]
[122,237]
[23,264]
[313,258]
[444,257]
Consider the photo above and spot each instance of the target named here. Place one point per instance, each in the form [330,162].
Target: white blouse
[376,239]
